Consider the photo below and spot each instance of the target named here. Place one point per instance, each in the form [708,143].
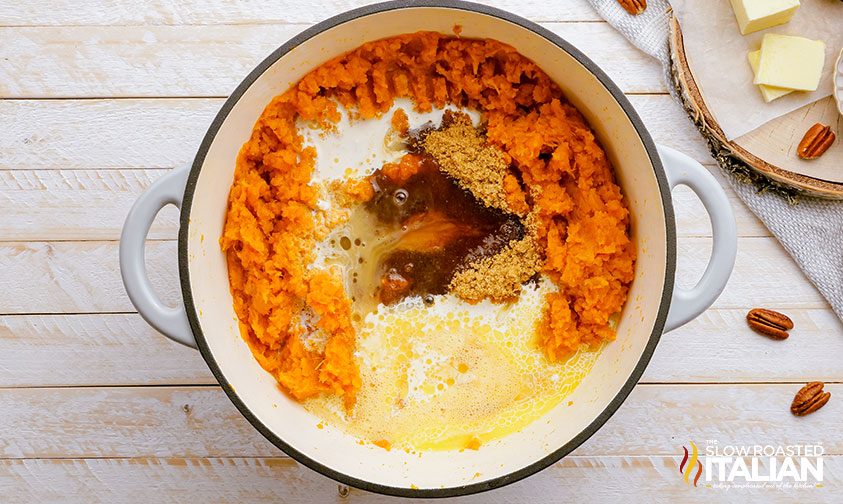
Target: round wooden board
[771,149]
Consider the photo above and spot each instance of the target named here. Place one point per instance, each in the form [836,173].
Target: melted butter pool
[445,376]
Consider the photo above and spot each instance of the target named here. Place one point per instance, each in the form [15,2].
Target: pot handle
[172,322]
[687,304]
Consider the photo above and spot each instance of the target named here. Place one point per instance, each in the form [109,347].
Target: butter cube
[769,93]
[754,15]
[790,62]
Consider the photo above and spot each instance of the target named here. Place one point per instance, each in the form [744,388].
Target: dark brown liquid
[438,228]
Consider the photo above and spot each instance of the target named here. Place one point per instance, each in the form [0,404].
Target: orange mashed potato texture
[269,234]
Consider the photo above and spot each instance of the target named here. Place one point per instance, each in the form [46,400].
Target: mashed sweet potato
[269,230]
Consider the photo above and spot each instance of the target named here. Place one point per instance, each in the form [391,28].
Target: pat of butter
[790,62]
[754,15]
[769,93]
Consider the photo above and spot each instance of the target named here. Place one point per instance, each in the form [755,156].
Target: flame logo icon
[686,467]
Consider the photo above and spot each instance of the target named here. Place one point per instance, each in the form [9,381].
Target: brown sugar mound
[268,238]
[499,277]
[462,152]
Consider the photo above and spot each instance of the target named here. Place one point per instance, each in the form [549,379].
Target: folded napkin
[810,229]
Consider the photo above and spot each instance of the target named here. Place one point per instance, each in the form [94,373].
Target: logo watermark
[753,466]
[686,467]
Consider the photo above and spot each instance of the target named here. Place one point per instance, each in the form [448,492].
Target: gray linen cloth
[811,230]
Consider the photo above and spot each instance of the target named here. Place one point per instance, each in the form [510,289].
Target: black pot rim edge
[599,421]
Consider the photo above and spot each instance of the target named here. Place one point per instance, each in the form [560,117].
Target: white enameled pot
[206,319]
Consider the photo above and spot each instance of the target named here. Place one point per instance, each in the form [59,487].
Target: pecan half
[634,7]
[769,323]
[809,399]
[816,141]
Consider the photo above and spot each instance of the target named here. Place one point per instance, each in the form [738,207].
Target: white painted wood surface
[212,12]
[191,480]
[105,422]
[210,61]
[101,97]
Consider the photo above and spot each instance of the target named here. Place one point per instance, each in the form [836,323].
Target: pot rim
[614,404]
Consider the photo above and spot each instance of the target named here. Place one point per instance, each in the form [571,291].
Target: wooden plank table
[101,97]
